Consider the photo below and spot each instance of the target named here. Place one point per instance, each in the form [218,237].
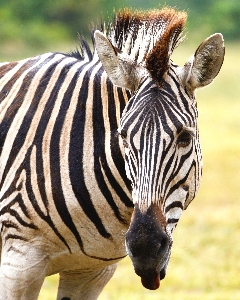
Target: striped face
[163,161]
[162,152]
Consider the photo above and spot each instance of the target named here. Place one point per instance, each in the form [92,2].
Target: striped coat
[96,149]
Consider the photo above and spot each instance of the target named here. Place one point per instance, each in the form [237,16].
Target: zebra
[100,155]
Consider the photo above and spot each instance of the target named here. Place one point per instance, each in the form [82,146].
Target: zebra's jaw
[148,244]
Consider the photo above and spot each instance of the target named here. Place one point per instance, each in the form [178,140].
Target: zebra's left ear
[204,66]
[122,71]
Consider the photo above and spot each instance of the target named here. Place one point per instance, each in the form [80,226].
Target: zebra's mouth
[152,281]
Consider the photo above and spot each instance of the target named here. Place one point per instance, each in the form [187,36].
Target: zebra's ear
[204,66]
[120,68]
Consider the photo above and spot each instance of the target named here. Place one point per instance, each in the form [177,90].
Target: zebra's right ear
[121,70]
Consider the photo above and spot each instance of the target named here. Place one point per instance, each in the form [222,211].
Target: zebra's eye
[123,134]
[184,139]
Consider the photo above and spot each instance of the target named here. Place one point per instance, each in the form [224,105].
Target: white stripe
[34,181]
[18,119]
[72,203]
[5,104]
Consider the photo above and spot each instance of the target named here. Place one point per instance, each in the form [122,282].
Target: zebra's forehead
[161,106]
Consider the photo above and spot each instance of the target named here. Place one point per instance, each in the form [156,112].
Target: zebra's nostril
[163,247]
[162,274]
[185,187]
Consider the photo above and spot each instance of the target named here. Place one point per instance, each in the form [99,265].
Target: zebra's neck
[104,107]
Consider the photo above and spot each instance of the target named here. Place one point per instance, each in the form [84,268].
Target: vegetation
[40,22]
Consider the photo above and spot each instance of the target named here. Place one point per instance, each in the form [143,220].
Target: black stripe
[76,162]
[172,113]
[8,224]
[115,150]
[178,184]
[18,199]
[5,68]
[132,170]
[174,104]
[99,149]
[183,99]
[55,159]
[10,82]
[180,164]
[153,144]
[15,214]
[39,139]
[121,98]
[174,205]
[17,102]
[172,220]
[137,102]
[15,237]
[165,152]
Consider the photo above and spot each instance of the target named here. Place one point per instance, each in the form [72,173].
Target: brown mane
[148,37]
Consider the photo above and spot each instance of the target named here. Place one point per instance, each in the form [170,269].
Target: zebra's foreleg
[84,284]
[22,272]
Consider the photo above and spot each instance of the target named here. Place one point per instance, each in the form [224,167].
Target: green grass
[205,260]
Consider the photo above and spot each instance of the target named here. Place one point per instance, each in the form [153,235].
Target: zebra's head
[158,126]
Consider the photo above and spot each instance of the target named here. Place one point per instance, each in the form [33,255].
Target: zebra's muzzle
[148,245]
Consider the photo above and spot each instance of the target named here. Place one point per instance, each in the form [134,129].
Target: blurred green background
[205,262]
[28,26]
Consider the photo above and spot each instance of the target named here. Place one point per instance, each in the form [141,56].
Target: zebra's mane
[148,37]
